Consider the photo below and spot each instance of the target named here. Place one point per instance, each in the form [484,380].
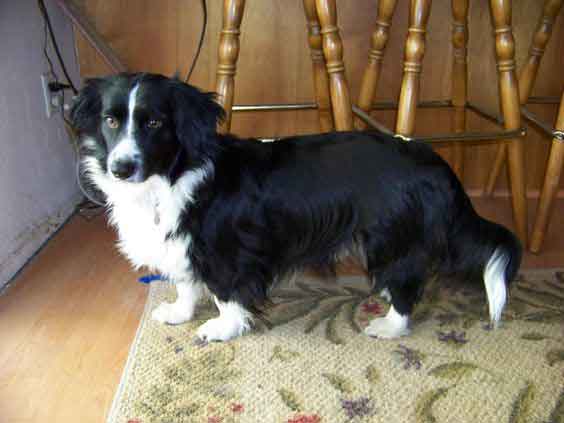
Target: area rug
[312,364]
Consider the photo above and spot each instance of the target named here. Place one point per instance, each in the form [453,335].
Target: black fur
[272,208]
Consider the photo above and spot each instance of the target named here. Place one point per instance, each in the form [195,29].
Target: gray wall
[37,184]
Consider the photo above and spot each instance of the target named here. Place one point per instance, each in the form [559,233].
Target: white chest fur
[144,219]
[145,214]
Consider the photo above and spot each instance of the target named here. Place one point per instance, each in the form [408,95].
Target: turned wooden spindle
[333,51]
[551,182]
[375,57]
[320,76]
[509,91]
[528,75]
[414,51]
[227,57]
[459,78]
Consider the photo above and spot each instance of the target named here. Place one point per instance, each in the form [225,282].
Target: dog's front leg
[182,310]
[233,321]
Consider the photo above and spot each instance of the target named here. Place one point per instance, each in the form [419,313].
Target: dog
[233,216]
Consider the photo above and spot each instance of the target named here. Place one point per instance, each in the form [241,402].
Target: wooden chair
[527,78]
[408,99]
[551,180]
[332,94]
[331,89]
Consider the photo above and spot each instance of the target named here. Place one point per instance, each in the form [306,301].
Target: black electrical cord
[201,42]
[45,15]
[46,53]
[90,207]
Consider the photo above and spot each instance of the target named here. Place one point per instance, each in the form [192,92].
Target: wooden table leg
[508,88]
[414,51]
[320,76]
[459,78]
[550,186]
[375,56]
[333,51]
[528,75]
[227,57]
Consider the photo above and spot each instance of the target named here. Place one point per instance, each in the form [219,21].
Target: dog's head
[134,126]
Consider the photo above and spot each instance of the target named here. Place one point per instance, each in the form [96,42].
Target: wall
[37,183]
[274,63]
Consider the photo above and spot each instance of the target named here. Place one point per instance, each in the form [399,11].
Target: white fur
[393,325]
[233,321]
[144,213]
[182,310]
[494,280]
[130,109]
[127,148]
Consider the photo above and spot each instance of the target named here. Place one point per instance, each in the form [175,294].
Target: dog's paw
[385,328]
[172,313]
[220,329]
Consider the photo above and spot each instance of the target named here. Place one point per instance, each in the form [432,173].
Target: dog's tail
[481,249]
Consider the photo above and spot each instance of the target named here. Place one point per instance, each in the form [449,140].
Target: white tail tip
[494,279]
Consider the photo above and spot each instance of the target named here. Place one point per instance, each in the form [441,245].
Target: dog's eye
[154,124]
[112,122]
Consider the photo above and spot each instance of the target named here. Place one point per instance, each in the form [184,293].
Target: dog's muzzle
[125,168]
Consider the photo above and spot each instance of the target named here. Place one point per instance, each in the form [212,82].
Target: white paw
[385,328]
[172,313]
[221,329]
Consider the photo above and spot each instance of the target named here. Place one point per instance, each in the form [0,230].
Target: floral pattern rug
[310,363]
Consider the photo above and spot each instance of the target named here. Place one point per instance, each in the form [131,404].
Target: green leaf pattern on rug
[372,374]
[521,409]
[338,382]
[544,297]
[331,330]
[453,371]
[534,336]
[424,405]
[209,376]
[555,356]
[290,399]
[317,304]
[283,355]
[324,312]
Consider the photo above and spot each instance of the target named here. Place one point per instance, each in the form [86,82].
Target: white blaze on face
[127,148]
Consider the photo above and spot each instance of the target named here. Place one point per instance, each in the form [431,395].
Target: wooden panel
[274,63]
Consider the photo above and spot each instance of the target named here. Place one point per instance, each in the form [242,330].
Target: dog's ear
[86,107]
[196,115]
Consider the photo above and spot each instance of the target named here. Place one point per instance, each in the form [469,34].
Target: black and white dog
[233,216]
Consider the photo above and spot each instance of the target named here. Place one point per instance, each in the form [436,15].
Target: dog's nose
[123,168]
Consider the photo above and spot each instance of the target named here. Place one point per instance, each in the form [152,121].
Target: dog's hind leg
[396,322]
[401,281]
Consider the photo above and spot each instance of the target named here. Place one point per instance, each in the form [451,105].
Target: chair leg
[550,186]
[320,76]
[375,56]
[508,88]
[459,78]
[414,51]
[333,51]
[541,37]
[227,57]
[528,75]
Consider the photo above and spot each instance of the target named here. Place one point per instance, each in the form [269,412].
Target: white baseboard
[28,243]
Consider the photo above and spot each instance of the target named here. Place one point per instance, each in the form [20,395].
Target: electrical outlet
[53,100]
